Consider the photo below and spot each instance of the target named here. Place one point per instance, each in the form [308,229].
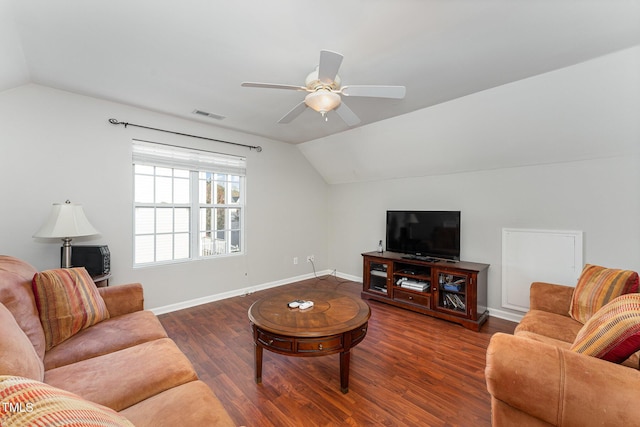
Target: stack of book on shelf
[415,285]
[454,301]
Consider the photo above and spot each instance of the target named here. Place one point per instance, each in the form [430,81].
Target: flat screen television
[424,234]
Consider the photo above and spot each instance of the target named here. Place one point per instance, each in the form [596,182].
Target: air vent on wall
[207,114]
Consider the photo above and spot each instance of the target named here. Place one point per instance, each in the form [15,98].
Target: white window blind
[177,157]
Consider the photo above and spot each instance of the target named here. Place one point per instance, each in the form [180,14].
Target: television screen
[429,234]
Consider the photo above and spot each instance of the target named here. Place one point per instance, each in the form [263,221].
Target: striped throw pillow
[28,402]
[613,333]
[68,301]
[596,287]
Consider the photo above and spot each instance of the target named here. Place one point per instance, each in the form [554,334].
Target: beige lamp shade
[66,221]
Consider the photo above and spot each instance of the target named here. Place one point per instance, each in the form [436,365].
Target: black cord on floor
[333,274]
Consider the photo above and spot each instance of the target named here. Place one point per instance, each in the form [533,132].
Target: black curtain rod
[125,124]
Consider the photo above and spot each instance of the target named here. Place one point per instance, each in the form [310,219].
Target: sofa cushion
[110,335]
[17,355]
[552,325]
[125,377]
[17,296]
[169,408]
[30,402]
[68,301]
[613,332]
[597,286]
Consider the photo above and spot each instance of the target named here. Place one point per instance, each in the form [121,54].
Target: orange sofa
[126,363]
[535,379]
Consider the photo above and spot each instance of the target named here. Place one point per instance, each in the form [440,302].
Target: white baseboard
[501,314]
[236,292]
[348,277]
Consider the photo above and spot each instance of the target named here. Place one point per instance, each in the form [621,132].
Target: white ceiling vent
[207,114]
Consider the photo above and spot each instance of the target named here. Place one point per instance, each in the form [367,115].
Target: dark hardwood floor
[410,370]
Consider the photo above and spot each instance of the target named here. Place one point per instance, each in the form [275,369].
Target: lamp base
[65,253]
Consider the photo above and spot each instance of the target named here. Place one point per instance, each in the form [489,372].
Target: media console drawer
[410,297]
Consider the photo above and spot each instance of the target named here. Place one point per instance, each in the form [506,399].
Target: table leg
[258,363]
[345,358]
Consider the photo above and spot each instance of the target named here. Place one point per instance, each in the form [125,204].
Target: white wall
[55,145]
[14,70]
[599,197]
[558,151]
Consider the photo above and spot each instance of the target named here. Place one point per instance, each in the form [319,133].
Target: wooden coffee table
[335,324]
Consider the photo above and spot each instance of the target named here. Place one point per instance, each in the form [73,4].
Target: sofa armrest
[559,386]
[550,297]
[123,299]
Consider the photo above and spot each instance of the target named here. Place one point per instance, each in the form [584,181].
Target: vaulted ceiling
[176,57]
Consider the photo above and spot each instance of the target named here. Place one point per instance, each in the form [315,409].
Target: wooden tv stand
[454,291]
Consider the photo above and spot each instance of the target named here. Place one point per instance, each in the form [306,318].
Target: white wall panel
[528,256]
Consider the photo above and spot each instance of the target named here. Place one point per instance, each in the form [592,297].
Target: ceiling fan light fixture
[322,101]
[325,91]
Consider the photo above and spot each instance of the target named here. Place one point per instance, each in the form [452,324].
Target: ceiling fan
[323,85]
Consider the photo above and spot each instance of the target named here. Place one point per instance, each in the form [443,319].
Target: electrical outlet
[295,260]
[310,258]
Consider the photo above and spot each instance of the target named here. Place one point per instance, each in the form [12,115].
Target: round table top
[333,312]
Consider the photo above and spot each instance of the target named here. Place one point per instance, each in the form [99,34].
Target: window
[220,213]
[188,204]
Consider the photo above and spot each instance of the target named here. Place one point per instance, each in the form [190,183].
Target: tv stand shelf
[453,291]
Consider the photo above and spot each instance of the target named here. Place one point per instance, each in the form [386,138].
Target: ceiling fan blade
[273,86]
[347,114]
[328,66]
[295,112]
[397,92]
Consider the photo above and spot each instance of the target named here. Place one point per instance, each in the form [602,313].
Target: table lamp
[65,222]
